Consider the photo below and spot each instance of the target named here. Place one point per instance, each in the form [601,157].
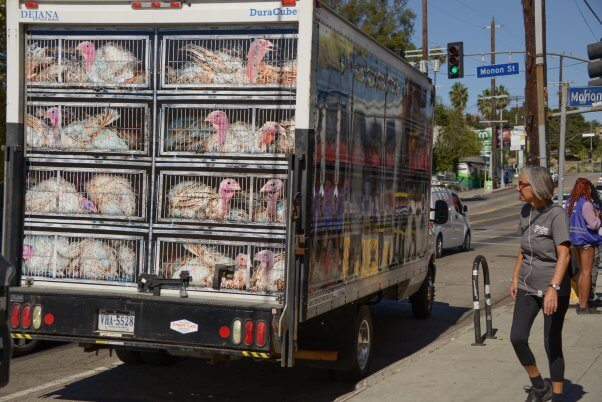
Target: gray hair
[541,182]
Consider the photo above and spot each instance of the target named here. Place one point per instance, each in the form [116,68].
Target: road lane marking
[51,384]
[490,236]
[493,219]
[488,211]
[497,244]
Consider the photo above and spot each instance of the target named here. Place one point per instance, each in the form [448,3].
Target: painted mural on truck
[373,161]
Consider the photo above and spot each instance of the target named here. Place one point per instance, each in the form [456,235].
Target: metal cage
[67,127]
[235,198]
[251,267]
[203,61]
[82,258]
[188,129]
[86,193]
[63,61]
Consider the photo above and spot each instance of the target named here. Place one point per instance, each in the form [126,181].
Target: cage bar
[89,258]
[59,61]
[113,128]
[255,268]
[197,61]
[85,192]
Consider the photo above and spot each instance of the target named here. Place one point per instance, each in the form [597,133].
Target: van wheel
[363,339]
[422,301]
[466,245]
[439,247]
[130,357]
[157,358]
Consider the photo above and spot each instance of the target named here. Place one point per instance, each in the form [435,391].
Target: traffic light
[594,67]
[455,60]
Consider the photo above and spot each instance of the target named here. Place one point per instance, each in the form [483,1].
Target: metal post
[562,142]
[490,334]
[502,183]
[493,113]
[591,152]
[540,65]
[425,46]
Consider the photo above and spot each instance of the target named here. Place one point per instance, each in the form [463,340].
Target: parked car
[456,231]
[565,198]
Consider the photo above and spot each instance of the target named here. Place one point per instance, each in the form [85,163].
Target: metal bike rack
[479,340]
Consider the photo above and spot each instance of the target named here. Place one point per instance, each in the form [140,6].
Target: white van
[456,231]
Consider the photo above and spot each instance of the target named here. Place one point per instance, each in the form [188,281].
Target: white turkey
[209,67]
[39,134]
[57,195]
[96,261]
[127,262]
[277,137]
[269,273]
[196,200]
[202,267]
[37,62]
[185,134]
[242,266]
[47,256]
[109,64]
[237,137]
[272,208]
[112,195]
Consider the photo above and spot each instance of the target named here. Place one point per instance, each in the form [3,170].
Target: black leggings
[526,309]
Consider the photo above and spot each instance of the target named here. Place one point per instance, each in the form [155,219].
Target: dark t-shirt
[542,230]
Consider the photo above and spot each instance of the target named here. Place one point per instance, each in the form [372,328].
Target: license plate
[117,322]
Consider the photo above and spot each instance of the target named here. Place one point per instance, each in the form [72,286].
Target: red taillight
[15,315]
[31,4]
[175,4]
[249,327]
[224,332]
[156,4]
[260,333]
[49,319]
[136,4]
[289,3]
[26,317]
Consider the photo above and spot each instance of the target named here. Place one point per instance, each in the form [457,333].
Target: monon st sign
[585,96]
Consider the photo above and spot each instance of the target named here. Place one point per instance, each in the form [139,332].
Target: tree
[455,141]
[390,22]
[484,104]
[458,96]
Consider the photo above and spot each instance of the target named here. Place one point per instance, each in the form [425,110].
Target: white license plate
[116,322]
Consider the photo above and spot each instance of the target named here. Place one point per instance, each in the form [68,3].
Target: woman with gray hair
[539,281]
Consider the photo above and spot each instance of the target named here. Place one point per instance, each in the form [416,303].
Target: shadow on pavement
[397,335]
[573,392]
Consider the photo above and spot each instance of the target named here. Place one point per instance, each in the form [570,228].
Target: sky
[571,26]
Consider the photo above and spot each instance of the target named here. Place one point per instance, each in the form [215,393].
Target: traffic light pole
[494,170]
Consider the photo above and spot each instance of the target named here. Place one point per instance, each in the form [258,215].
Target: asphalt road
[65,372]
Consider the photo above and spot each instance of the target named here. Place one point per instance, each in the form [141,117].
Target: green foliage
[390,22]
[484,105]
[455,140]
[458,96]
[575,126]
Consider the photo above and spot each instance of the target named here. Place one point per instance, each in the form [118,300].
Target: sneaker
[587,310]
[539,394]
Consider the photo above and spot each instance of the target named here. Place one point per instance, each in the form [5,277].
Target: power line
[584,19]
[592,10]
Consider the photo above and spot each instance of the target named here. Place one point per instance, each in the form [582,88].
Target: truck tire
[466,244]
[439,247]
[422,301]
[157,358]
[131,357]
[21,347]
[363,340]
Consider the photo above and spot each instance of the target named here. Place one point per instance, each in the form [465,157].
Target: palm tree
[459,96]
[484,104]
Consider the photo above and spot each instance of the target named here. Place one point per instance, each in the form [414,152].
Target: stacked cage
[88,141]
[226,126]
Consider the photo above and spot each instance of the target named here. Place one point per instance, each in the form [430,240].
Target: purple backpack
[581,235]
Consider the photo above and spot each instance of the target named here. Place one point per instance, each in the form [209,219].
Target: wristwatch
[555,286]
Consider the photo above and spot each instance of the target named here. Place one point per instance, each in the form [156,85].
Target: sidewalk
[453,370]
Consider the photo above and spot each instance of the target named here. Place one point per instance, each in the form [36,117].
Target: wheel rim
[363,345]
[439,246]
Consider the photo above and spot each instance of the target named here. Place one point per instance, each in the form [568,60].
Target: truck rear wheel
[24,346]
[131,357]
[363,339]
[422,301]
[157,358]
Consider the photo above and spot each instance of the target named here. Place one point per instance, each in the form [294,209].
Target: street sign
[495,70]
[586,135]
[584,96]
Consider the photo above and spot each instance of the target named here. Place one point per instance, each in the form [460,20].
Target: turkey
[39,134]
[277,137]
[202,267]
[185,134]
[107,139]
[196,200]
[284,75]
[209,67]
[37,62]
[95,261]
[273,211]
[39,258]
[112,195]
[242,266]
[237,137]
[109,64]
[83,133]
[57,195]
[268,277]
[127,262]
[257,52]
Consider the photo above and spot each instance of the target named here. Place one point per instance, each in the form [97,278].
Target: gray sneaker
[587,310]
[539,394]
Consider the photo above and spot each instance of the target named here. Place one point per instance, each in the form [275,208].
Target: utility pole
[560,86]
[540,62]
[425,45]
[562,142]
[493,161]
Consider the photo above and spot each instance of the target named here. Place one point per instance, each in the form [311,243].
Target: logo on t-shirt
[541,230]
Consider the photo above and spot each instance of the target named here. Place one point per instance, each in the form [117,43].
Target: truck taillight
[15,315]
[224,332]
[175,4]
[26,317]
[31,4]
[37,317]
[260,333]
[155,4]
[136,4]
[249,329]
[289,3]
[49,319]
[236,332]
